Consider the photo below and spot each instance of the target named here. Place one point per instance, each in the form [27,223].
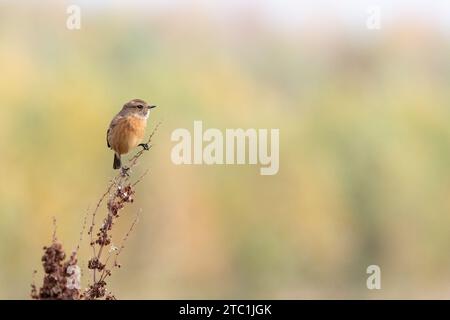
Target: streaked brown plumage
[127,129]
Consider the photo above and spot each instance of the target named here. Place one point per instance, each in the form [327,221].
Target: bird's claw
[145,146]
[125,172]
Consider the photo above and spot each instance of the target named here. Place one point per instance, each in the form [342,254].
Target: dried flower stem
[119,250]
[120,191]
[62,276]
[83,228]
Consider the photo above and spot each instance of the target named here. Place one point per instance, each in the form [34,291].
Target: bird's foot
[145,146]
[125,172]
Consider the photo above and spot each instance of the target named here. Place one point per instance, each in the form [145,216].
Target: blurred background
[364,119]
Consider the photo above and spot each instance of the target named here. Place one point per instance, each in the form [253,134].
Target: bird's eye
[140,106]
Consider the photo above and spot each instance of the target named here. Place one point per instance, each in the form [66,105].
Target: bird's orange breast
[127,134]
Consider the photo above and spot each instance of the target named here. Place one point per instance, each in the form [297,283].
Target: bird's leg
[145,146]
[125,171]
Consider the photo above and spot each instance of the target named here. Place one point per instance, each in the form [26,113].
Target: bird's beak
[151,107]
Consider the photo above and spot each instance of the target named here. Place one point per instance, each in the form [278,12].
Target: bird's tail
[117,163]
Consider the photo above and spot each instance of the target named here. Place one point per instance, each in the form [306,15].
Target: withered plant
[62,274]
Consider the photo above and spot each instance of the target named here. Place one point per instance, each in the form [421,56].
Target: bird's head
[137,107]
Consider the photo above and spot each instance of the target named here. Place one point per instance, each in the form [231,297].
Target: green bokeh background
[364,175]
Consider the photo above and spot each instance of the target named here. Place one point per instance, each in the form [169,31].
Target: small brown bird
[127,129]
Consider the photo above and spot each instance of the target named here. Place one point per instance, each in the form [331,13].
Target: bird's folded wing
[113,123]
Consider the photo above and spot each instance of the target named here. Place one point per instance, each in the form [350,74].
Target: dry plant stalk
[62,279]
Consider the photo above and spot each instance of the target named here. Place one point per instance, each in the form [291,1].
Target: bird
[127,129]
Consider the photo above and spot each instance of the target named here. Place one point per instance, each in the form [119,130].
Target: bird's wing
[114,122]
[107,138]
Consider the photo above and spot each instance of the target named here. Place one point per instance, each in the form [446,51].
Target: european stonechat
[127,129]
